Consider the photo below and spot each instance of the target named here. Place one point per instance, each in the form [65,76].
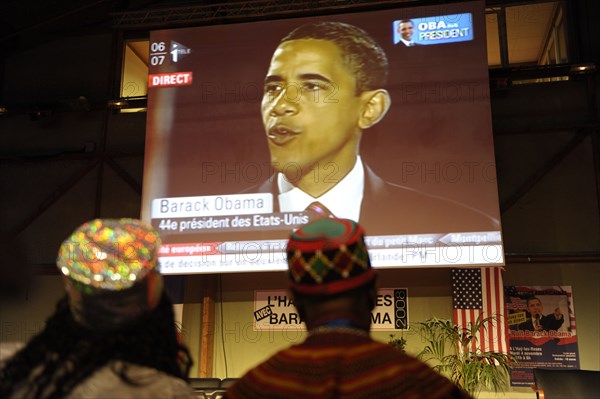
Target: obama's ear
[376,105]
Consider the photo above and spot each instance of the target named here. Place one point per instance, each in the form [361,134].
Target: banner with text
[542,330]
[275,311]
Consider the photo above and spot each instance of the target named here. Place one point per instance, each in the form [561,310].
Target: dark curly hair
[68,353]
[362,54]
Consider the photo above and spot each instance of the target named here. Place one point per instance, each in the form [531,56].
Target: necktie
[317,211]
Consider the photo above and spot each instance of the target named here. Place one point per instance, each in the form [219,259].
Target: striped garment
[345,365]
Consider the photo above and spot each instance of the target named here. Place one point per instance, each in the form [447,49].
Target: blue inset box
[440,29]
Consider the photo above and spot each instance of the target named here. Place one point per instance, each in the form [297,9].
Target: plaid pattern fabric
[328,256]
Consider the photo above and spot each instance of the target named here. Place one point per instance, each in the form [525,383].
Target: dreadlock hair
[362,54]
[68,353]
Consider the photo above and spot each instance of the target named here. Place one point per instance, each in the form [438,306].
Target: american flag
[479,291]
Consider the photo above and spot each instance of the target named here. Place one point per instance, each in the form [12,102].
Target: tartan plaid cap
[327,257]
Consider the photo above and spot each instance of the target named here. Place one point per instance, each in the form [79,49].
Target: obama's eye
[312,86]
[273,89]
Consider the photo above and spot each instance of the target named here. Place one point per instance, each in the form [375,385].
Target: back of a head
[110,272]
[327,257]
[114,287]
[330,272]
[328,265]
[115,309]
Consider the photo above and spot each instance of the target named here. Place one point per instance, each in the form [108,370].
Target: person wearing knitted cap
[333,288]
[113,334]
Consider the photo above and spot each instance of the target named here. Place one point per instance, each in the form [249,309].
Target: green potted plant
[397,343]
[449,350]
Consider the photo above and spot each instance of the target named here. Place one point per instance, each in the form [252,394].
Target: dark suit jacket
[404,44]
[393,209]
[548,323]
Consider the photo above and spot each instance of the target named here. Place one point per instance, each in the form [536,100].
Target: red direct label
[170,79]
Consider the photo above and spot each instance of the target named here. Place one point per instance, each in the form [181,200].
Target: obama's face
[534,306]
[311,110]
[406,30]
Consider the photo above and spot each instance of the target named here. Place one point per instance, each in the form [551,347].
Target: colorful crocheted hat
[328,256]
[110,271]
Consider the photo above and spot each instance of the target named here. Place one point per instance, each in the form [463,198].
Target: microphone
[538,326]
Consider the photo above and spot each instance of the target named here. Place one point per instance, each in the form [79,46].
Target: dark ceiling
[26,23]
[23,23]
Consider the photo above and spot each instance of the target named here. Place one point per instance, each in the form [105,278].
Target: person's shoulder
[8,350]
[526,325]
[266,186]
[401,44]
[418,378]
[439,203]
[256,382]
[549,316]
[421,211]
[550,322]
[147,383]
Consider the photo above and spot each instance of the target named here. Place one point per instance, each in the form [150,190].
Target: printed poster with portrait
[542,330]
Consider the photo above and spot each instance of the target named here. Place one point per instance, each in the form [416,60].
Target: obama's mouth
[281,134]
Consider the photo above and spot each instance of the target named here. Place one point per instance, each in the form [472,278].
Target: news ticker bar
[373,243]
[452,249]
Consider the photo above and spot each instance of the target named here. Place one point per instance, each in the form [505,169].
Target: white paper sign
[275,311]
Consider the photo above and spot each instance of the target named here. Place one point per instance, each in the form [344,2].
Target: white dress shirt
[343,199]
[408,43]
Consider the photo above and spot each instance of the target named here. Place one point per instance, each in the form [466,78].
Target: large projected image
[381,117]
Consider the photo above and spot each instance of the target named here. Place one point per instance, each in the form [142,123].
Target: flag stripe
[478,292]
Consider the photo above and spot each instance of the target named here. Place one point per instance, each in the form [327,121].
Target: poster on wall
[275,311]
[542,330]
